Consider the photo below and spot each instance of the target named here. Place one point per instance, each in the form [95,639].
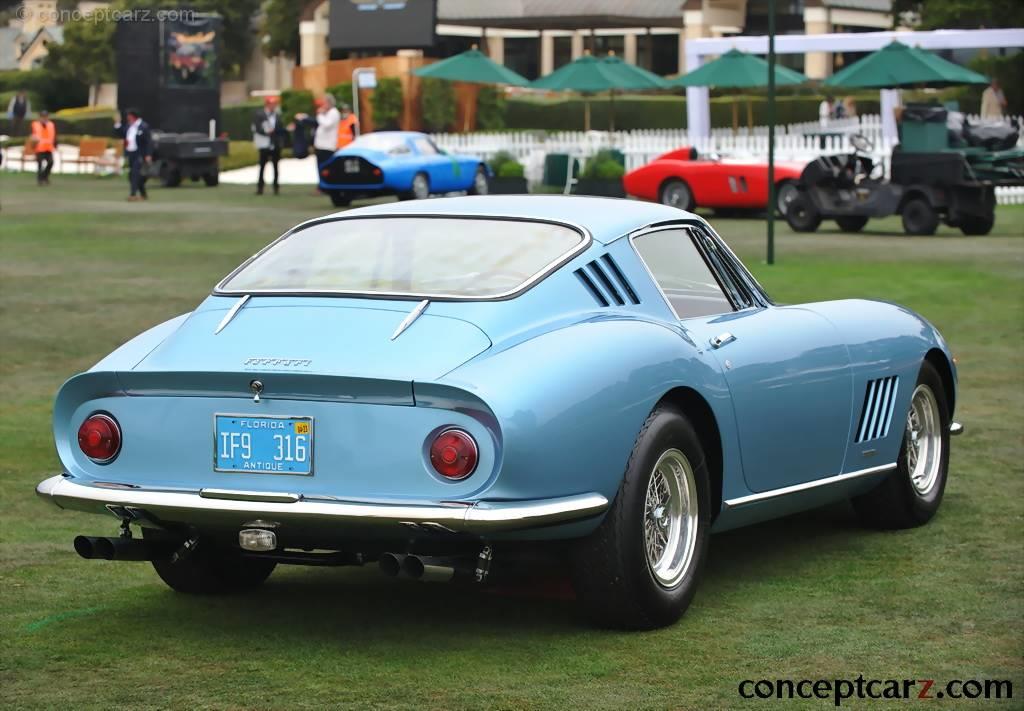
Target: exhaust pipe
[391,564]
[104,548]
[428,569]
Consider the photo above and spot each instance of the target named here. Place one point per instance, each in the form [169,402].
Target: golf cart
[937,175]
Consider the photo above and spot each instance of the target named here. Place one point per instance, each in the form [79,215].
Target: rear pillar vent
[603,279]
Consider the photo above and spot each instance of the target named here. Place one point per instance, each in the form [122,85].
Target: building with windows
[24,42]
[535,37]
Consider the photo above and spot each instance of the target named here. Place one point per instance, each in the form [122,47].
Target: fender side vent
[606,282]
[876,414]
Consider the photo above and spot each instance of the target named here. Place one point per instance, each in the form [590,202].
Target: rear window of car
[428,257]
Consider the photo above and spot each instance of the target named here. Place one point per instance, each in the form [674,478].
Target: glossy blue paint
[446,172]
[553,385]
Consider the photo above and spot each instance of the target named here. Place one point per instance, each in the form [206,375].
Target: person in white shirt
[825,110]
[138,149]
[993,102]
[268,137]
[325,137]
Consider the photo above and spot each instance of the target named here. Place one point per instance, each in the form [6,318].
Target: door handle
[722,339]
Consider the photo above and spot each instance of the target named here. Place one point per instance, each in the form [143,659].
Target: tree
[438,104]
[962,14]
[86,55]
[387,103]
[281,27]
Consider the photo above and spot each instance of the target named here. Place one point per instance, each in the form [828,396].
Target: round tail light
[100,438]
[453,454]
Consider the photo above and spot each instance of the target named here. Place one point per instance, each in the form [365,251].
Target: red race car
[685,180]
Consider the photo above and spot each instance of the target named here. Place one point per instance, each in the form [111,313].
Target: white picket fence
[798,142]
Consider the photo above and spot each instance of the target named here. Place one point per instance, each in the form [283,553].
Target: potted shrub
[602,176]
[507,175]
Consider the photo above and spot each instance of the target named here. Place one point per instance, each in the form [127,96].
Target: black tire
[802,215]
[851,223]
[896,503]
[919,217]
[610,571]
[480,184]
[415,192]
[977,225]
[210,569]
[170,176]
[211,179]
[784,193]
[339,199]
[676,193]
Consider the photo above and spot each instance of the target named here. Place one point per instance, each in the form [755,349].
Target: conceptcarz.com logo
[277,362]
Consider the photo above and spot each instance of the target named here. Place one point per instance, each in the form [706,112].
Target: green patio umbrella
[738,70]
[897,65]
[471,66]
[589,75]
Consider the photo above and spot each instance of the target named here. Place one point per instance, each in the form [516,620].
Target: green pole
[771,131]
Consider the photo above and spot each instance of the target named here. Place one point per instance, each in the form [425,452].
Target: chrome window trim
[806,486]
[545,271]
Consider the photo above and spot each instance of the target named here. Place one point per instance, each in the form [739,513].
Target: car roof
[606,219]
[397,134]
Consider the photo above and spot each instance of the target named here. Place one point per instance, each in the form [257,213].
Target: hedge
[639,112]
[236,120]
[91,126]
[49,92]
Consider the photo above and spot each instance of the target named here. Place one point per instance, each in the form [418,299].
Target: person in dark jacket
[18,110]
[301,140]
[268,136]
[138,149]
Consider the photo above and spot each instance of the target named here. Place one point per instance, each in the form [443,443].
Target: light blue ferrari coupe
[449,386]
[402,163]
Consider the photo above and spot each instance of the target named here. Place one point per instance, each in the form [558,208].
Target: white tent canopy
[697,107]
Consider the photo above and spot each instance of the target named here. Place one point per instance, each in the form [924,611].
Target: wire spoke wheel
[923,440]
[670,518]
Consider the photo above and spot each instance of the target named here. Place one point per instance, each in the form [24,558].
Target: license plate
[261,444]
[352,165]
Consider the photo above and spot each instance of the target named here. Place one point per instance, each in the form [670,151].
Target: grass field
[811,596]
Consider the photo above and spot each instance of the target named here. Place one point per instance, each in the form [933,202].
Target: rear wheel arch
[941,364]
[913,193]
[692,404]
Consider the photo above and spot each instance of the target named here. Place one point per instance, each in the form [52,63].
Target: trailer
[168,69]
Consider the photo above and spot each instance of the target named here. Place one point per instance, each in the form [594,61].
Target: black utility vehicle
[937,174]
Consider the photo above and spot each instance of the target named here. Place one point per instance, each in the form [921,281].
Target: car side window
[424,147]
[399,149]
[681,272]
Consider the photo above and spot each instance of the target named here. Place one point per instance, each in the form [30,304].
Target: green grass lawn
[811,596]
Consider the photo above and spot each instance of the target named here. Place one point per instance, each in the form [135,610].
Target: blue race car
[445,387]
[402,163]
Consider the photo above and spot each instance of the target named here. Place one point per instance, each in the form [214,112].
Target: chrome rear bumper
[225,508]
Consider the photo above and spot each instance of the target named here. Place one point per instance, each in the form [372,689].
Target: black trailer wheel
[919,217]
[339,199]
[977,225]
[851,223]
[170,175]
[801,214]
[211,179]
